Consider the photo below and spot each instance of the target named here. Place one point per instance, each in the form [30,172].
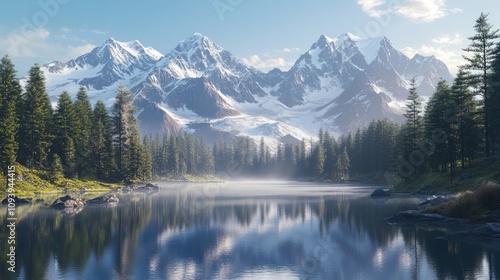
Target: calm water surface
[251,230]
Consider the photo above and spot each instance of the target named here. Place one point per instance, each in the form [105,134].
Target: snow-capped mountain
[339,84]
[359,80]
[102,69]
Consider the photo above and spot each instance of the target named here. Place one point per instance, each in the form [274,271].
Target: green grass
[189,178]
[34,183]
[482,171]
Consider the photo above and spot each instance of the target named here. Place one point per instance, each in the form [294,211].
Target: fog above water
[243,230]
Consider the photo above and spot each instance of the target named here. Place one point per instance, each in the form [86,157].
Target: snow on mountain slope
[101,70]
[339,84]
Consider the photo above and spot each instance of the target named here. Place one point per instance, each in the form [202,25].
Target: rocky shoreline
[486,233]
[71,204]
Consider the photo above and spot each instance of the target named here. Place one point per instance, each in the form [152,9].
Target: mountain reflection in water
[244,230]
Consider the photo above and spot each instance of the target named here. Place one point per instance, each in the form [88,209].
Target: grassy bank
[480,205]
[36,183]
[189,178]
[32,183]
[469,179]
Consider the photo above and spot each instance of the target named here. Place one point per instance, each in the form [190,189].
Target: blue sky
[264,33]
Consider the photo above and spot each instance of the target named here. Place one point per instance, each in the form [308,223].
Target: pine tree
[174,163]
[63,129]
[466,114]
[343,165]
[136,156]
[35,121]
[318,161]
[56,169]
[357,156]
[303,157]
[329,147]
[262,154]
[101,143]
[439,117]
[10,100]
[206,159]
[191,154]
[413,128]
[482,48]
[495,98]
[124,125]
[83,109]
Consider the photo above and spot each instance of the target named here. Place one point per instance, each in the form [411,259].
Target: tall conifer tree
[482,49]
[124,125]
[64,129]
[83,110]
[35,121]
[101,143]
[10,100]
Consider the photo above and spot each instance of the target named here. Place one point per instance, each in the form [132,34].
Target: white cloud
[95,31]
[76,51]
[456,11]
[268,63]
[447,39]
[452,58]
[417,10]
[423,10]
[289,50]
[37,44]
[18,43]
[373,8]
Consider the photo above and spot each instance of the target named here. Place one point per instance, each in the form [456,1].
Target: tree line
[460,123]
[73,140]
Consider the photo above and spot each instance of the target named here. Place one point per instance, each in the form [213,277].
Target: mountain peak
[196,41]
[420,57]
[348,36]
[324,40]
[370,47]
[111,40]
[198,35]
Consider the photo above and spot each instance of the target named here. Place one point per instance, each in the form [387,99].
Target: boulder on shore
[68,202]
[105,200]
[380,193]
[17,200]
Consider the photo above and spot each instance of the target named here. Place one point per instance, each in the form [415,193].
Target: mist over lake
[243,230]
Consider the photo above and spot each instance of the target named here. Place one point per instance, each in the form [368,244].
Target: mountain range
[339,84]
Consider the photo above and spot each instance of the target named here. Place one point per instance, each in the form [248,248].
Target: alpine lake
[242,230]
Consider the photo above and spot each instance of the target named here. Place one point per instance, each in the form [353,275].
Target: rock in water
[380,193]
[17,200]
[152,187]
[105,200]
[68,202]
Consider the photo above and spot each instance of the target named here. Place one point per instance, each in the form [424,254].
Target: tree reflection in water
[228,235]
